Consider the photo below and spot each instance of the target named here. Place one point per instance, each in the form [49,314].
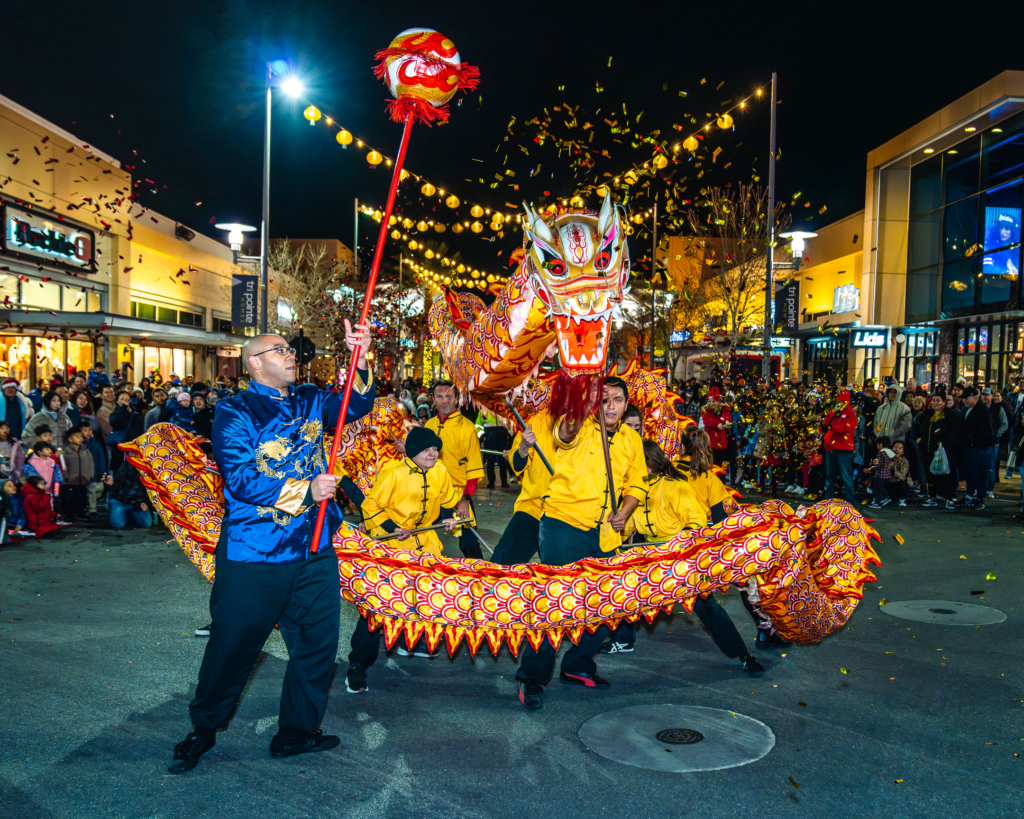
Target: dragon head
[578,264]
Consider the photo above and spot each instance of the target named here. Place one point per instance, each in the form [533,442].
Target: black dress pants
[560,545]
[247,600]
[519,542]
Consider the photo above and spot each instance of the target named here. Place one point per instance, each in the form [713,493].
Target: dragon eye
[556,267]
[602,260]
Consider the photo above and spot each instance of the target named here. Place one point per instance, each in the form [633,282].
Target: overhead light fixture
[997,130]
[796,239]
[292,86]
[235,233]
[929,150]
[970,129]
[953,151]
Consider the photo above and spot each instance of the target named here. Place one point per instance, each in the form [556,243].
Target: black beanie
[418,439]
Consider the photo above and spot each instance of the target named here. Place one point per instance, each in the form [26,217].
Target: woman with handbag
[937,441]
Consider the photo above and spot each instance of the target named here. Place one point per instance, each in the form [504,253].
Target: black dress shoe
[188,751]
[752,666]
[773,640]
[302,742]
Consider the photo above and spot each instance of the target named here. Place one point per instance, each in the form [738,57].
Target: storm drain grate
[680,736]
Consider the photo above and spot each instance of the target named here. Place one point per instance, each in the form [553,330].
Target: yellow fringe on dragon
[572,275]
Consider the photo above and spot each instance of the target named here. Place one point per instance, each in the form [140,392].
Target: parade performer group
[599,477]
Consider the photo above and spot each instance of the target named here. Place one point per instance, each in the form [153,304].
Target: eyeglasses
[280,350]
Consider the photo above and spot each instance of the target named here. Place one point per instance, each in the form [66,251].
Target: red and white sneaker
[584,678]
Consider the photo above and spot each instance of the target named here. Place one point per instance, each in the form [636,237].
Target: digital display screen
[1002,228]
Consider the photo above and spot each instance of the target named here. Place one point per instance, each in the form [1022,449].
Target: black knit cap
[418,439]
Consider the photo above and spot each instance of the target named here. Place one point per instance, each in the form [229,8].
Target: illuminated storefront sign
[870,339]
[26,233]
[845,298]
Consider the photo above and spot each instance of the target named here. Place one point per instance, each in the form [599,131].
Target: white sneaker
[64,523]
[419,652]
[991,495]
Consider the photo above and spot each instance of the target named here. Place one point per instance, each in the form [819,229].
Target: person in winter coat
[181,413]
[127,499]
[12,454]
[939,426]
[1000,426]
[17,408]
[52,415]
[14,510]
[39,514]
[159,402]
[202,416]
[79,473]
[125,425]
[976,438]
[100,460]
[892,418]
[41,464]
[839,428]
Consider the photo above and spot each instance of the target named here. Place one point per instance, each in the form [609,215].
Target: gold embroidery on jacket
[277,449]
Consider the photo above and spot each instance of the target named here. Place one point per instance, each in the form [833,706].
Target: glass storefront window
[1002,157]
[41,295]
[962,170]
[15,359]
[926,186]
[960,229]
[923,241]
[958,288]
[147,361]
[8,287]
[922,293]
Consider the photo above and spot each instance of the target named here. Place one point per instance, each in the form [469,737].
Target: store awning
[140,331]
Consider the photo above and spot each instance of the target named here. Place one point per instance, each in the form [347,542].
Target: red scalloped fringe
[572,395]
[420,110]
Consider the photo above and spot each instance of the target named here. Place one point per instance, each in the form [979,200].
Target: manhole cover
[680,736]
[715,740]
[943,612]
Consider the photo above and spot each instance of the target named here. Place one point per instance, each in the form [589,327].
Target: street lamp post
[769,273]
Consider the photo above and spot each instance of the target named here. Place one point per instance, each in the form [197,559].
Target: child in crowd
[99,459]
[880,472]
[39,507]
[16,523]
[899,485]
[183,415]
[81,471]
[42,464]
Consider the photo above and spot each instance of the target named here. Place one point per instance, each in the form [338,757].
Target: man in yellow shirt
[577,522]
[460,456]
[409,494]
[521,538]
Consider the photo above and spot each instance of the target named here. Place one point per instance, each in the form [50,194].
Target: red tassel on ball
[576,396]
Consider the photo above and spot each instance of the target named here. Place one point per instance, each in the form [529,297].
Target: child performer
[409,494]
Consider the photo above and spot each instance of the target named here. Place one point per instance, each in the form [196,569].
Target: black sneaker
[752,666]
[613,647]
[355,680]
[188,751]
[529,694]
[584,678]
[770,640]
[303,742]
[204,631]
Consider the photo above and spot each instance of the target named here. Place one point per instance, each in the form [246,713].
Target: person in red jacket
[840,428]
[38,508]
[717,419]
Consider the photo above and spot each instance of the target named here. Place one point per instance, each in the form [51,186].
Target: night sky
[177,90]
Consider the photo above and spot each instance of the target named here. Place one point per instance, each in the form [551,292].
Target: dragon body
[809,566]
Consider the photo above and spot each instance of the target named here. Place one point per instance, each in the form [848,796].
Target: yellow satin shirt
[578,491]
[461,451]
[708,487]
[668,507]
[410,498]
[535,478]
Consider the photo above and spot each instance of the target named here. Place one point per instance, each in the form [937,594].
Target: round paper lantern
[344,137]
[576,202]
[691,144]
[421,226]
[407,223]
[428,189]
[460,269]
[312,114]
[393,220]
[429,254]
[476,227]
[495,226]
[725,121]
[396,234]
[630,177]
[439,227]
[476,211]
[476,274]
[602,191]
[413,244]
[457,228]
[403,174]
[374,158]
[498,217]
[452,201]
[660,161]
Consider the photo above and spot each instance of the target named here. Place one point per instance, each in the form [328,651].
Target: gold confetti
[794,783]
[882,603]
[963,557]
[990,576]
[844,670]
[896,781]
[899,539]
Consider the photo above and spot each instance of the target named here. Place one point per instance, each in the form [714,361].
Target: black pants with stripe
[519,542]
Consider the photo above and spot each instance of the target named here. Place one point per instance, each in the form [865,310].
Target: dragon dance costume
[572,271]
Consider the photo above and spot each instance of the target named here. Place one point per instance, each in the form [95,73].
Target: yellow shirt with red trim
[708,488]
[410,498]
[535,478]
[669,506]
[460,452]
[578,491]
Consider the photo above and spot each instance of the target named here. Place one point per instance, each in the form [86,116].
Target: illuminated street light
[235,233]
[796,240]
[292,86]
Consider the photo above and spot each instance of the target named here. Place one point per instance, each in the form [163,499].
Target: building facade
[925,281]
[88,275]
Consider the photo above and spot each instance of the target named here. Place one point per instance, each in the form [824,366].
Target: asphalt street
[886,718]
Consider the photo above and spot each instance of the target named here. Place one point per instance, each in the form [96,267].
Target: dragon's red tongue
[582,343]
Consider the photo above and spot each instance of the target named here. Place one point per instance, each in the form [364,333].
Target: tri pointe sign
[29,234]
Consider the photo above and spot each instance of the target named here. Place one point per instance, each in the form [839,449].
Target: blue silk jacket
[269,448]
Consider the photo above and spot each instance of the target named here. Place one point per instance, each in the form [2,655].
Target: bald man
[269,447]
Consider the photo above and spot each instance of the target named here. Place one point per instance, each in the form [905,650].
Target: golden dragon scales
[571,277]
